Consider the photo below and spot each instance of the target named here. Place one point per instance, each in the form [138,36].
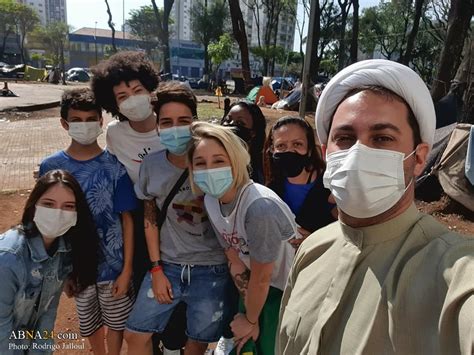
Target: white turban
[391,75]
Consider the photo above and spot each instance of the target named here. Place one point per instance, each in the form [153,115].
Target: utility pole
[307,58]
[95,40]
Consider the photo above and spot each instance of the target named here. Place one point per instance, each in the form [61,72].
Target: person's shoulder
[54,158]
[115,125]
[322,239]
[155,157]
[12,241]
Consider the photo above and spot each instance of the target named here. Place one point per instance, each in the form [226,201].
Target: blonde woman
[253,225]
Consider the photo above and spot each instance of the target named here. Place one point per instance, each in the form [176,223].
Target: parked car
[79,75]
[12,71]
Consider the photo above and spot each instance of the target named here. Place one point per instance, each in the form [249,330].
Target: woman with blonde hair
[253,225]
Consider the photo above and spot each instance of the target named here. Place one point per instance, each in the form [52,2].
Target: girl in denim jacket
[49,246]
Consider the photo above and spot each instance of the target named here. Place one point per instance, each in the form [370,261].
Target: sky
[86,13]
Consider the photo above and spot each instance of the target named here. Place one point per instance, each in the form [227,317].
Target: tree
[272,10]
[405,58]
[111,25]
[55,38]
[143,25]
[220,51]
[162,19]
[465,78]
[460,14]
[7,21]
[240,35]
[355,31]
[208,24]
[26,20]
[345,6]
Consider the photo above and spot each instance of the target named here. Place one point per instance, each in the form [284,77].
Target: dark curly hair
[79,99]
[175,91]
[272,175]
[123,66]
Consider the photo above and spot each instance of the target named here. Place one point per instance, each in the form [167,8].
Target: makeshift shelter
[445,169]
[265,91]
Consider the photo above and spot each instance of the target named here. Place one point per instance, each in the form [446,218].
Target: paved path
[24,143]
[31,95]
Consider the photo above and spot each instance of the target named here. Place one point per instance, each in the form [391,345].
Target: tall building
[48,10]
[181,30]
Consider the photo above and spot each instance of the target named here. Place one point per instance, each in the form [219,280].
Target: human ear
[323,151]
[65,124]
[421,154]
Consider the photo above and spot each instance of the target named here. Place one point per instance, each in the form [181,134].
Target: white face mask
[84,132]
[54,222]
[365,182]
[136,108]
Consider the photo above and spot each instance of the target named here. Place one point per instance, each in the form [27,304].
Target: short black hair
[81,99]
[123,66]
[388,95]
[175,91]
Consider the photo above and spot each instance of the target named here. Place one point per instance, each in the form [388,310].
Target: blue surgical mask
[176,139]
[215,182]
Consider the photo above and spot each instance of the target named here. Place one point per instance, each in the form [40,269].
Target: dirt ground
[454,216]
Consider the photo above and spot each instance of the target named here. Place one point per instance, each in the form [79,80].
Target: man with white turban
[385,278]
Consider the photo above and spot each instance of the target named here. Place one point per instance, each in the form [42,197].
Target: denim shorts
[204,291]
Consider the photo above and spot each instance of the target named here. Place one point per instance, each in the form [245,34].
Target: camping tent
[265,91]
[446,167]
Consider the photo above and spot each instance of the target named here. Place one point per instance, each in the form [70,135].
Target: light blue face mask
[176,139]
[215,182]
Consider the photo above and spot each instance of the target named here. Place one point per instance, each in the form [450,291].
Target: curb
[33,107]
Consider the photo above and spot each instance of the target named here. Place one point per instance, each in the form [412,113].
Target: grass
[210,111]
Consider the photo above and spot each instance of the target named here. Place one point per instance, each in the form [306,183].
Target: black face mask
[290,164]
[242,132]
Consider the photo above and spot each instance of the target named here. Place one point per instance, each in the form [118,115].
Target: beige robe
[405,286]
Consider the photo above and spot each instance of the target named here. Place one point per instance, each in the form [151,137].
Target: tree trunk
[355,30]
[4,44]
[459,17]
[314,59]
[342,34]
[240,35]
[111,25]
[406,58]
[163,31]
[206,59]
[63,66]
[465,78]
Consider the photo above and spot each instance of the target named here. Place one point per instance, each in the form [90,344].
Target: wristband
[156,269]
[156,263]
[252,323]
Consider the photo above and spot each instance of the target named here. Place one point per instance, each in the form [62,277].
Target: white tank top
[232,228]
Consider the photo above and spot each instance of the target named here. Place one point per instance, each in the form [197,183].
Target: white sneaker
[171,352]
[224,346]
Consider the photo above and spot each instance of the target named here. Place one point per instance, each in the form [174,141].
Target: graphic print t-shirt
[109,191]
[131,147]
[186,236]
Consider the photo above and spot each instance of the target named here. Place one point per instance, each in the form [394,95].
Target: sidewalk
[24,143]
[33,96]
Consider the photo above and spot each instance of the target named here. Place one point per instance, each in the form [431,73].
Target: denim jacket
[30,288]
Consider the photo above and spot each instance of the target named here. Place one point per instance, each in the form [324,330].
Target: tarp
[34,74]
[445,169]
[265,91]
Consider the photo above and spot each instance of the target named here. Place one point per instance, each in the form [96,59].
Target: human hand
[241,325]
[69,287]
[161,286]
[121,285]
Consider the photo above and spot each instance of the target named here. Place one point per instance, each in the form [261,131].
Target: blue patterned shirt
[109,192]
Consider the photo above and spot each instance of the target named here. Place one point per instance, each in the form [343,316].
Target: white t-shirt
[264,237]
[130,146]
